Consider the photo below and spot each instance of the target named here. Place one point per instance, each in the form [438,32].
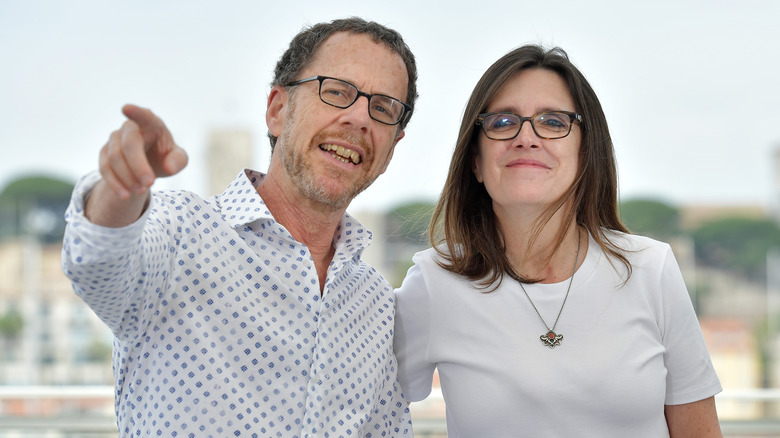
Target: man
[250,313]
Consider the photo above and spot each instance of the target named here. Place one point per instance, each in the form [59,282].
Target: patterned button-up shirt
[220,329]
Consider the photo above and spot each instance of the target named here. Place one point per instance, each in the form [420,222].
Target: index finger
[150,125]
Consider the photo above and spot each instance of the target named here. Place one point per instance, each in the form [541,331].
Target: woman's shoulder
[432,263]
[634,242]
[430,257]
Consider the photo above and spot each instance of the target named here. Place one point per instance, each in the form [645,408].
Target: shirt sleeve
[105,265]
[412,335]
[690,374]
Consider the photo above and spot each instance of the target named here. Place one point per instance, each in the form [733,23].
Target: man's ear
[276,110]
[399,137]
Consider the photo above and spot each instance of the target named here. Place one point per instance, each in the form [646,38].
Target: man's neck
[310,223]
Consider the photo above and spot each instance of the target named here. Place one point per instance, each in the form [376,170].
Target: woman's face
[529,171]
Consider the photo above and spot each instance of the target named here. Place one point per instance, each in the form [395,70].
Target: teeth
[342,154]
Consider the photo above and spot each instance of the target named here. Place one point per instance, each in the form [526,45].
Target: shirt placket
[319,389]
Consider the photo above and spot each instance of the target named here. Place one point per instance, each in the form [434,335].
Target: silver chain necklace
[552,339]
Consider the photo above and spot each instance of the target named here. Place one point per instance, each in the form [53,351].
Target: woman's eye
[503,122]
[551,121]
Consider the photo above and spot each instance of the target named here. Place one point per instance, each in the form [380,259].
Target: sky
[691,89]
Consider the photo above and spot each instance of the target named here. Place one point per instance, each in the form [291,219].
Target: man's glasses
[548,125]
[342,94]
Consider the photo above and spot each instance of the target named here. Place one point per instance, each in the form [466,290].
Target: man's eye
[334,92]
[382,109]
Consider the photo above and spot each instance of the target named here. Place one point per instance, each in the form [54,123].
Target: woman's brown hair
[464,229]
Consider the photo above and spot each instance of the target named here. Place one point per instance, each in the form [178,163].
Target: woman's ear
[475,168]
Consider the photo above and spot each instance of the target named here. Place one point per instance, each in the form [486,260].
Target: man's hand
[136,154]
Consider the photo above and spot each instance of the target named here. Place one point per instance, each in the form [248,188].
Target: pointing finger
[164,156]
[147,121]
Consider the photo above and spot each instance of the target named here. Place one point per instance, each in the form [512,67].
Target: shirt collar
[241,204]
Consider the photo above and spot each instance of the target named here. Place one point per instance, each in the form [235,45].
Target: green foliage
[401,267]
[737,244]
[406,232]
[34,204]
[651,218]
[11,324]
[409,222]
[99,351]
[38,188]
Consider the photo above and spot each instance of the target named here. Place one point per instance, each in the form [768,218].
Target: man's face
[331,154]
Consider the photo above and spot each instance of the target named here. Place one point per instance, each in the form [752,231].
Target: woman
[542,314]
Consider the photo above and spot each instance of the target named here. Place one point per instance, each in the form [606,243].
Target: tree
[409,222]
[34,205]
[738,244]
[11,324]
[651,217]
[406,232]
[98,351]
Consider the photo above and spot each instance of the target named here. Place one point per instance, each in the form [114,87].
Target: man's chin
[334,198]
[333,190]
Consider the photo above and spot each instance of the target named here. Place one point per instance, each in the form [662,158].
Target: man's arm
[693,420]
[141,151]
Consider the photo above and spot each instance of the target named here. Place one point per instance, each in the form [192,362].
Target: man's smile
[341,153]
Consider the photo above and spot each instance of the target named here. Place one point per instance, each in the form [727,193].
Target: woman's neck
[539,253]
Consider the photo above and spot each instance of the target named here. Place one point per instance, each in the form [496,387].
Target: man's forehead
[358,58]
[340,39]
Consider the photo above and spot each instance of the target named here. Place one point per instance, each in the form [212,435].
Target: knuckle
[113,154]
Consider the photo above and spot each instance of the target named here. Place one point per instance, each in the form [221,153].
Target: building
[228,152]
[60,340]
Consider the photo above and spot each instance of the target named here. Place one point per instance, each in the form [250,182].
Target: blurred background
[689,88]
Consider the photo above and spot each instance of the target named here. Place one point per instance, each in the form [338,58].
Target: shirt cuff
[90,236]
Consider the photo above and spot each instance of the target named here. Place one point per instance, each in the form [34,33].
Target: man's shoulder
[181,202]
[181,197]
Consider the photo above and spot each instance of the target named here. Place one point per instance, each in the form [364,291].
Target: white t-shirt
[627,351]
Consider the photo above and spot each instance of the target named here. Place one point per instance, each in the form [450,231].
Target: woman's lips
[527,163]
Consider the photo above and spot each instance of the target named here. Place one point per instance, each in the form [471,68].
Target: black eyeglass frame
[573,117]
[405,115]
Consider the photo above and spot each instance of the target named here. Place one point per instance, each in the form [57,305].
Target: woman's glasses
[547,125]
